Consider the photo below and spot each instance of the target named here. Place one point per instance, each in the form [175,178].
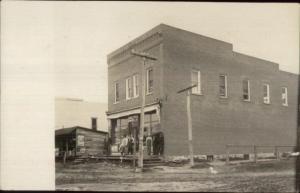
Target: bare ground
[266,176]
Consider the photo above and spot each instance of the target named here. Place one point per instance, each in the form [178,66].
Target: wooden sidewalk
[148,161]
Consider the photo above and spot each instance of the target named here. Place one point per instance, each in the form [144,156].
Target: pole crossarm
[143,54]
[187,88]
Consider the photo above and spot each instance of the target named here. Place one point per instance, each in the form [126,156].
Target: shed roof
[69,130]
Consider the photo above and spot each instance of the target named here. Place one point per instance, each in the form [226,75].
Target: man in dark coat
[160,144]
[130,145]
[155,144]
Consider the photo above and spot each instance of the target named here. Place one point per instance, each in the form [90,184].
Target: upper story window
[129,90]
[117,92]
[266,91]
[246,90]
[284,96]
[94,123]
[223,86]
[135,86]
[149,80]
[196,79]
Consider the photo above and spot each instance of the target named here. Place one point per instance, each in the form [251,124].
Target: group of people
[154,144]
[127,145]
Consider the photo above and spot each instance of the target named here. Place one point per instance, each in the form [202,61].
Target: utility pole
[144,56]
[189,118]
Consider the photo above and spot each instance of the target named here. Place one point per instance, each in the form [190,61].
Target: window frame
[226,86]
[135,85]
[268,94]
[129,88]
[147,80]
[285,102]
[199,88]
[248,89]
[115,92]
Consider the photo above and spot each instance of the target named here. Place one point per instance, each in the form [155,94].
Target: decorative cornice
[128,54]
[137,44]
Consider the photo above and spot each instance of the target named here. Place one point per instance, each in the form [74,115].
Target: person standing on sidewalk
[130,145]
[123,145]
[149,144]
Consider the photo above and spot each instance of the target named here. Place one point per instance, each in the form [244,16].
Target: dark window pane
[245,89]
[265,90]
[94,123]
[222,85]
[150,80]
[117,92]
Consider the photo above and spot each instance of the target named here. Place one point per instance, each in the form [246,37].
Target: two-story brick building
[239,99]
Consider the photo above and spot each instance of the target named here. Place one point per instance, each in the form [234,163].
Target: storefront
[127,123]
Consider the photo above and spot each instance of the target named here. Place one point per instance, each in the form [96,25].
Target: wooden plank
[93,141]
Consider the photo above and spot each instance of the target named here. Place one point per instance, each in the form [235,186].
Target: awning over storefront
[133,111]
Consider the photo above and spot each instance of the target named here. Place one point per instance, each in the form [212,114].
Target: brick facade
[216,121]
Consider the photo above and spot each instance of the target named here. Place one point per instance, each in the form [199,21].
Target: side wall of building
[217,121]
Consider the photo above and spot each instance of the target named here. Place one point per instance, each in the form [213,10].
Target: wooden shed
[79,141]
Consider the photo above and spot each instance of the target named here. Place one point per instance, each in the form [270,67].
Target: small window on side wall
[246,90]
[266,93]
[284,96]
[223,86]
[196,80]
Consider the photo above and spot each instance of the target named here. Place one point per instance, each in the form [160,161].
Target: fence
[255,150]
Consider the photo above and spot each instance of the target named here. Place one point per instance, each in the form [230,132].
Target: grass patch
[266,166]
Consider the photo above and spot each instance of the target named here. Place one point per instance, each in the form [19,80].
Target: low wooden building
[79,141]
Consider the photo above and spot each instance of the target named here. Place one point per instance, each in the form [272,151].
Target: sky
[84,33]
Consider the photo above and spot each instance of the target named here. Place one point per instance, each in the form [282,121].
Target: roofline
[152,32]
[255,58]
[274,65]
[135,41]
[158,29]
[84,128]
[289,73]
[214,39]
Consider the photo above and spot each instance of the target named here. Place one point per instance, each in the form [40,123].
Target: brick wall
[128,68]
[216,121]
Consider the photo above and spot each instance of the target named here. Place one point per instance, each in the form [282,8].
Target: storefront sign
[80,140]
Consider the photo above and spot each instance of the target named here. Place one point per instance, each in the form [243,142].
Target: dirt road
[268,176]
